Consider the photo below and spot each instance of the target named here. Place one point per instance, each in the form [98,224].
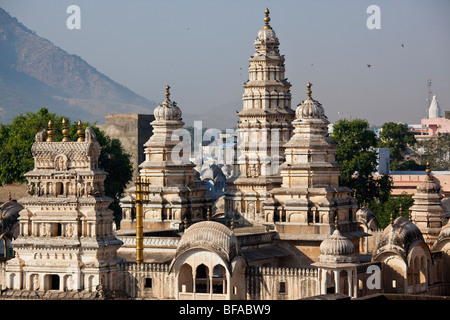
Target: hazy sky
[200,46]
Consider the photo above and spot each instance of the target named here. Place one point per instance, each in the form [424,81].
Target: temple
[288,229]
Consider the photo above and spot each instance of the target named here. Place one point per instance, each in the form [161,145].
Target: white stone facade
[66,240]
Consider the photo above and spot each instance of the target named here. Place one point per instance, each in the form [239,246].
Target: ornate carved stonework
[65,221]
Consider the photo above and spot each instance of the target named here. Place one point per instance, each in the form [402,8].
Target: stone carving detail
[253,170]
[61,162]
[36,281]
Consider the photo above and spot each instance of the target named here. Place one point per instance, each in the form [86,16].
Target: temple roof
[212,236]
[400,237]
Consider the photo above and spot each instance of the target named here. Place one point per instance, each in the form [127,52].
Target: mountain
[35,73]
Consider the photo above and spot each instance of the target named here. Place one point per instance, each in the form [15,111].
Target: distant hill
[35,73]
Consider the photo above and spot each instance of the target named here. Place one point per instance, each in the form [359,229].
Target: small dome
[337,249]
[400,236]
[435,110]
[167,110]
[267,35]
[428,185]
[210,235]
[310,108]
[365,216]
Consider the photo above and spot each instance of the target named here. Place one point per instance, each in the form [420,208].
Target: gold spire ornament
[50,132]
[65,131]
[428,171]
[80,132]
[308,92]
[167,94]
[267,19]
[336,224]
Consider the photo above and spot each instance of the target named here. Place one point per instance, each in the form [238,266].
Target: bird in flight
[369,65]
[403,45]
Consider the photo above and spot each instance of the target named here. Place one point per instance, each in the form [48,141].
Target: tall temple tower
[264,127]
[66,240]
[428,213]
[310,199]
[172,192]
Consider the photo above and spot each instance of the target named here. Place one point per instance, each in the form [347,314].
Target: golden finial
[185,223]
[267,19]
[65,131]
[80,132]
[308,92]
[400,210]
[50,131]
[167,93]
[9,196]
[410,215]
[208,216]
[336,224]
[232,224]
[428,170]
[391,219]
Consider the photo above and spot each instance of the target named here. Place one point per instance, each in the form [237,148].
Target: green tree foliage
[17,138]
[436,150]
[358,159]
[397,138]
[383,210]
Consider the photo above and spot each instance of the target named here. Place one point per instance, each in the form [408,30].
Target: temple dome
[266,34]
[365,216]
[167,110]
[209,235]
[400,236]
[435,110]
[336,249]
[428,185]
[310,108]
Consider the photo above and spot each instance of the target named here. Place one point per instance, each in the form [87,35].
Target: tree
[17,138]
[357,156]
[435,150]
[398,205]
[397,138]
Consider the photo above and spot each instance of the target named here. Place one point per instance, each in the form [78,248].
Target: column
[349,280]
[337,285]
[323,281]
[355,284]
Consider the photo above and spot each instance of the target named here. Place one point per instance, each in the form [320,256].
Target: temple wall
[281,283]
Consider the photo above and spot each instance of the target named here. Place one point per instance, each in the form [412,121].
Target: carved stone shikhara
[66,238]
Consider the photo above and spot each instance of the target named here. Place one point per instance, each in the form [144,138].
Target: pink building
[435,123]
[407,181]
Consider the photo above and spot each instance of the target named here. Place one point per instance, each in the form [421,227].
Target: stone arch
[185,280]
[219,279]
[202,284]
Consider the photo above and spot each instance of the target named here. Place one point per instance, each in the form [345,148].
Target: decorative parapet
[262,271]
[151,242]
[145,266]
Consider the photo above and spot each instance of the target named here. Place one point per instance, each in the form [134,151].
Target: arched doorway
[185,282]
[219,280]
[202,284]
